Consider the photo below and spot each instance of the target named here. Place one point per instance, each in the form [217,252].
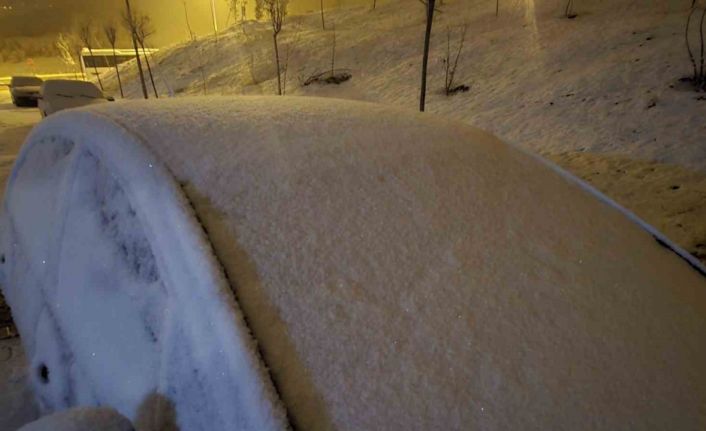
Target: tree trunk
[149,70]
[215,19]
[425,59]
[323,23]
[447,61]
[497,7]
[117,73]
[95,68]
[188,25]
[279,80]
[701,33]
[137,53]
[333,51]
[80,65]
[688,45]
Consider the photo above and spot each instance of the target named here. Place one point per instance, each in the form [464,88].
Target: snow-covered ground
[15,124]
[598,95]
[17,405]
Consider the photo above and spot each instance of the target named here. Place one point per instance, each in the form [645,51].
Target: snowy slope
[397,270]
[578,91]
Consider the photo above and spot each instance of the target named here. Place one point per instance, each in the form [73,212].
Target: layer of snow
[397,270]
[60,94]
[116,294]
[598,94]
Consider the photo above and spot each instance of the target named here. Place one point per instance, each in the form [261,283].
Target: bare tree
[568,11]
[66,45]
[333,51]
[450,66]
[276,11]
[688,45]
[111,33]
[85,33]
[425,59]
[701,35]
[285,68]
[233,6]
[77,48]
[236,7]
[699,74]
[202,68]
[192,36]
[214,18]
[289,50]
[130,22]
[143,31]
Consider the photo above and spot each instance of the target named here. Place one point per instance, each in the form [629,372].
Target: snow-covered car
[24,90]
[58,94]
[270,263]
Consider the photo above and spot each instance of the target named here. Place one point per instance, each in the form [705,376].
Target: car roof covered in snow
[397,270]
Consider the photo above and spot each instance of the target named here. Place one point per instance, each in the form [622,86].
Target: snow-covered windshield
[25,81]
[74,89]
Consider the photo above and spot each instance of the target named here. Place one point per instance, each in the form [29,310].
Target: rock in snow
[251,263]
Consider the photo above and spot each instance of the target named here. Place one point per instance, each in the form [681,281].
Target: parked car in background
[24,90]
[58,94]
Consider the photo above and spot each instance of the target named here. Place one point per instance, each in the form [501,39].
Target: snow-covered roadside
[15,124]
[600,87]
[17,405]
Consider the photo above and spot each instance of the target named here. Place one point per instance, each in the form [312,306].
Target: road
[17,405]
[15,124]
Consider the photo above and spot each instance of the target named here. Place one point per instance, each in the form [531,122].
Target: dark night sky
[49,17]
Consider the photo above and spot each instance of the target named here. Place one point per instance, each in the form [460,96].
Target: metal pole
[137,53]
[215,22]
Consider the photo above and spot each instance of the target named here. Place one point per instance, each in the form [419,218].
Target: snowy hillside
[599,94]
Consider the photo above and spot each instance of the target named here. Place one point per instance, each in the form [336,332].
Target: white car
[58,94]
[269,263]
[24,90]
